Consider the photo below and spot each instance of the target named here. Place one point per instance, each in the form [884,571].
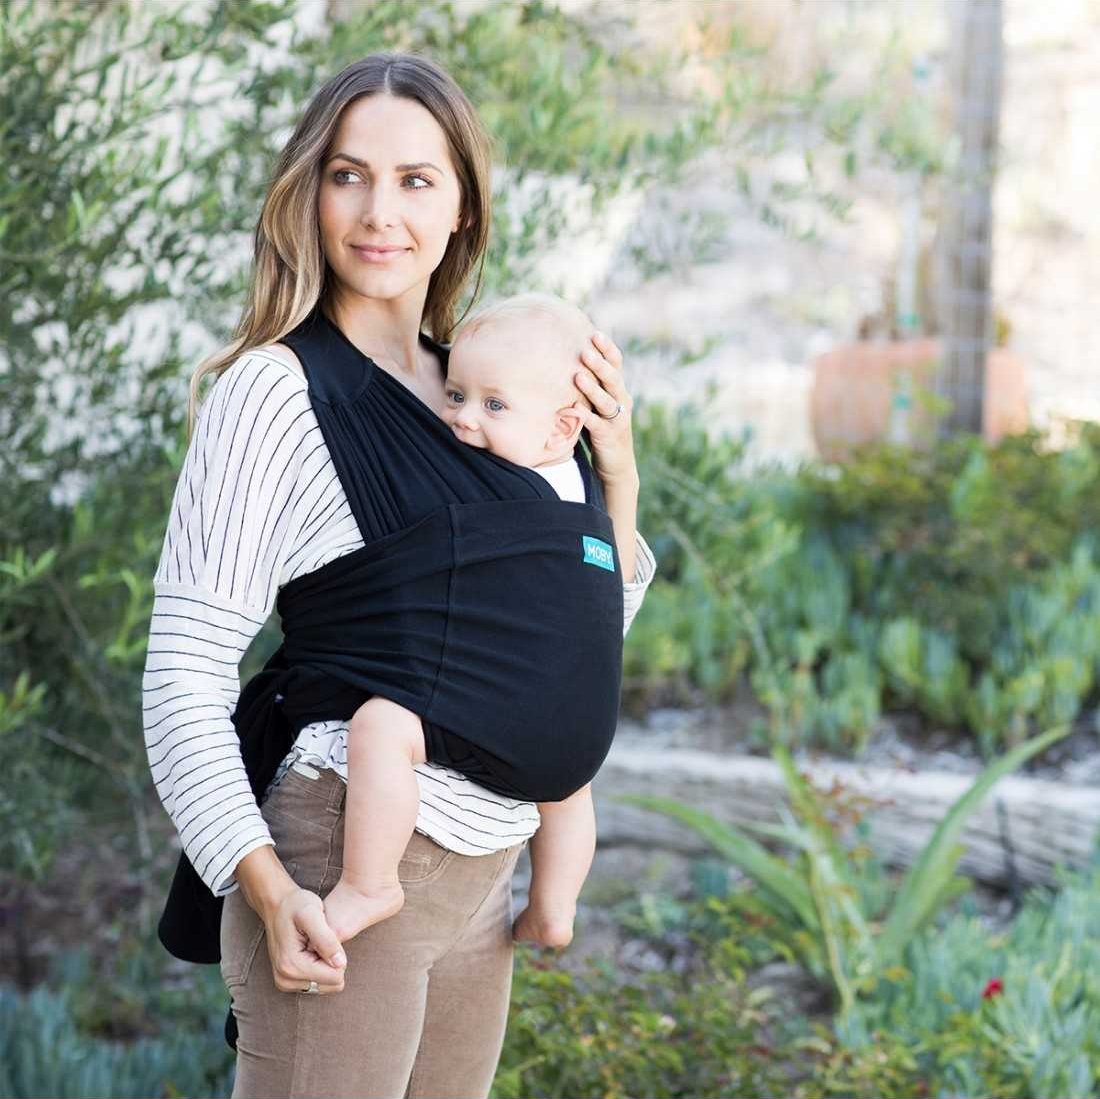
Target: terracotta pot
[852,399]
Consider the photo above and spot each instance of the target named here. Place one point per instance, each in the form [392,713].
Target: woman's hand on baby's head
[601,381]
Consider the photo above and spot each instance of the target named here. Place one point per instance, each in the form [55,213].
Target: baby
[510,390]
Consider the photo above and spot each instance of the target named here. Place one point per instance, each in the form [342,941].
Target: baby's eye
[454,395]
[495,405]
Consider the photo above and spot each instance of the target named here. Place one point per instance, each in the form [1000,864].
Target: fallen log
[1042,824]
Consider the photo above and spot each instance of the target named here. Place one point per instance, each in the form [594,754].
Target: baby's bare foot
[350,910]
[545,924]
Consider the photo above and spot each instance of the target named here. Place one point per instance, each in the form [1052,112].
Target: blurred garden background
[848,830]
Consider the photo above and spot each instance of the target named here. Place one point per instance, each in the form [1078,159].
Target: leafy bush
[47,1053]
[713,536]
[665,1036]
[1013,1013]
[962,582]
[118,1022]
[966,1012]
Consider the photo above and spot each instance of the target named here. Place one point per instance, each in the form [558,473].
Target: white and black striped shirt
[257,503]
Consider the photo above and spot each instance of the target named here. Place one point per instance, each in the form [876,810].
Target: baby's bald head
[542,337]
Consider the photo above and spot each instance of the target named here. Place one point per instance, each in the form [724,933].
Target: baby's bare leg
[561,856]
[384,741]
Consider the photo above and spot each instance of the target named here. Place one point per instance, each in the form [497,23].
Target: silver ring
[312,987]
[618,409]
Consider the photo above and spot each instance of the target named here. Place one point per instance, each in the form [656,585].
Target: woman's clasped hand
[302,946]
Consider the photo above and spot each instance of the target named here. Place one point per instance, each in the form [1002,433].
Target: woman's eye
[348,172]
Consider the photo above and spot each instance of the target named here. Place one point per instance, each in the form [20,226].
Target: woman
[377,213]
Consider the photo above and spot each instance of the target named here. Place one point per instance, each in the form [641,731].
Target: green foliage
[833,1070]
[69,731]
[713,540]
[102,217]
[924,1028]
[945,535]
[67,1038]
[930,881]
[1036,1033]
[963,583]
[122,220]
[845,928]
[976,567]
[933,1025]
[663,1036]
[46,1055]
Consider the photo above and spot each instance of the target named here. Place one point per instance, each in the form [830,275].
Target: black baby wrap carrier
[480,600]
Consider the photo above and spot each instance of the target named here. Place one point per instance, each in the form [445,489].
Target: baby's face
[501,393]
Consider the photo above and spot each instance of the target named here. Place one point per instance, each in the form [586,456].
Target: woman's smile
[382,255]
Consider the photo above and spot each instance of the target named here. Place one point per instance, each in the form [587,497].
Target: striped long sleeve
[236,517]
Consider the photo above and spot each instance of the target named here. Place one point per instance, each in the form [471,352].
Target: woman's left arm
[612,439]
[622,506]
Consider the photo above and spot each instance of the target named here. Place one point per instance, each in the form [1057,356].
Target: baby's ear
[569,422]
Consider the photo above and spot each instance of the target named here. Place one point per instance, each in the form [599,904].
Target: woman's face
[389,198]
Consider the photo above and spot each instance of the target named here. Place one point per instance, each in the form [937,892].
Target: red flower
[994,987]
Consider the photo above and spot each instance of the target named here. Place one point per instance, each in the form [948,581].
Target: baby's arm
[561,855]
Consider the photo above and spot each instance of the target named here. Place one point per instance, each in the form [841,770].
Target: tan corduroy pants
[425,999]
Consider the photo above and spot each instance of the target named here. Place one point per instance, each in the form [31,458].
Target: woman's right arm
[213,590]
[237,513]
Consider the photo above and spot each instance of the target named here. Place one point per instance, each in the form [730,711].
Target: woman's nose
[378,207]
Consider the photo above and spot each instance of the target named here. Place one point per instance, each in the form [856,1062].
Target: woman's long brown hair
[289,272]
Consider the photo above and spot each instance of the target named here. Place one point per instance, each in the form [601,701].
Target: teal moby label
[598,552]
